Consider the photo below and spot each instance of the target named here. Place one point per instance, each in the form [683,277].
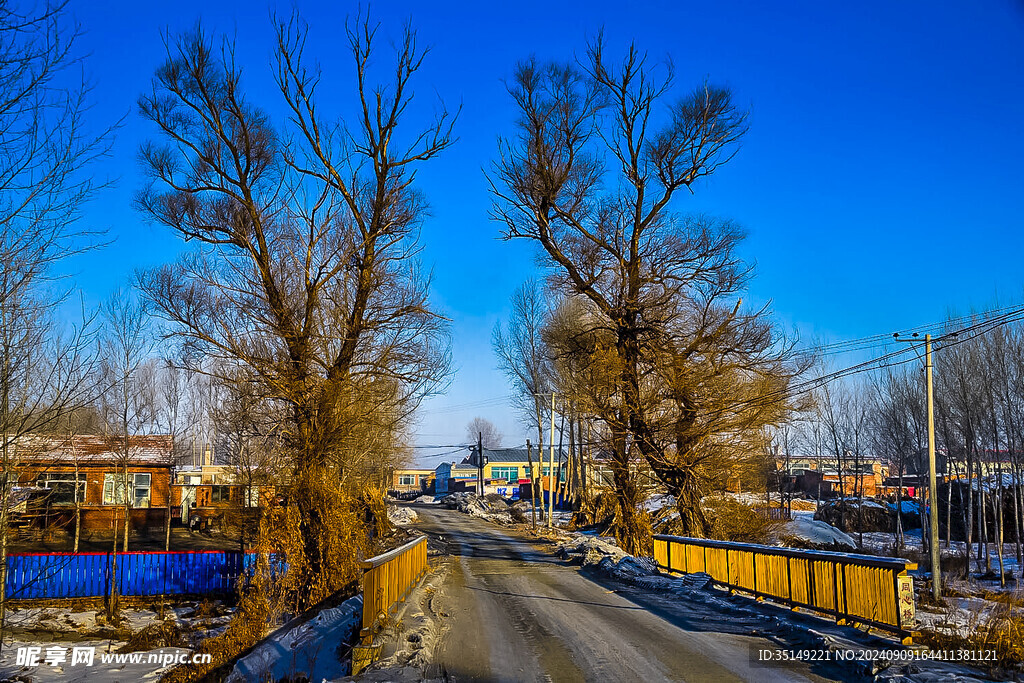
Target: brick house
[91,468]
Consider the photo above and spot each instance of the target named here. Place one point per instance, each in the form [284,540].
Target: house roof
[149,449]
[516,455]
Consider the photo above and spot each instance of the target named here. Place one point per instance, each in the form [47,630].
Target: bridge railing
[388,579]
[874,591]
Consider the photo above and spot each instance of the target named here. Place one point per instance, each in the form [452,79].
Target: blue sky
[880,182]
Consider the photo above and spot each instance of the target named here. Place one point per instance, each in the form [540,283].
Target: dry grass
[733,521]
[161,634]
[999,629]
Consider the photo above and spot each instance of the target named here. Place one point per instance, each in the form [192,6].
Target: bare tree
[480,426]
[523,358]
[45,151]
[306,274]
[248,436]
[664,286]
[897,427]
[129,405]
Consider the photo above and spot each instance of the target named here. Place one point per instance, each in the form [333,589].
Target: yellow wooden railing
[387,580]
[875,591]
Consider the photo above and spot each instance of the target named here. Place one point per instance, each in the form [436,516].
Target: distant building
[451,477]
[407,480]
[820,477]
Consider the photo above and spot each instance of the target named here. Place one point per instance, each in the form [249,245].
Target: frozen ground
[57,631]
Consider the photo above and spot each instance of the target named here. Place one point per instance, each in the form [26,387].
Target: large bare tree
[305,272]
[45,154]
[593,174]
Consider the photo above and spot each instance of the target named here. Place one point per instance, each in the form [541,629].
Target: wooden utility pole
[933,497]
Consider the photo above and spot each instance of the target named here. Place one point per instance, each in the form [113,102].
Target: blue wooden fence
[84,575]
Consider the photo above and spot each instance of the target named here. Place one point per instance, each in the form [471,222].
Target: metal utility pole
[551,464]
[933,493]
[480,463]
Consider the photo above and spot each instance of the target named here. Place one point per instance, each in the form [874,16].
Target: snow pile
[590,550]
[492,508]
[802,532]
[402,516]
[659,501]
[427,500]
[310,650]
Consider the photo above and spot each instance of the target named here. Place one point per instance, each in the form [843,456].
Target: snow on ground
[312,649]
[58,631]
[149,665]
[590,550]
[402,515]
[54,619]
[485,508]
[659,501]
[804,531]
[408,648]
[427,500]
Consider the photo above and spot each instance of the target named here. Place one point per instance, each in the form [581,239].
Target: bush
[733,521]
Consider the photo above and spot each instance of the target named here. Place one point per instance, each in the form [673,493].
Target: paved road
[512,611]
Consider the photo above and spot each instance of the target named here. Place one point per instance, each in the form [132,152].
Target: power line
[873,341]
[459,407]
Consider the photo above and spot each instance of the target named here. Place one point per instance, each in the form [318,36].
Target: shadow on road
[549,598]
[695,616]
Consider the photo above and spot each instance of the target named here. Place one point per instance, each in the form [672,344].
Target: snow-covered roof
[150,449]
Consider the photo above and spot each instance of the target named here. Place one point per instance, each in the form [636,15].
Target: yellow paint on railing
[388,579]
[858,588]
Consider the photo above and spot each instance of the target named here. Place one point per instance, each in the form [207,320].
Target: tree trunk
[998,516]
[969,536]
[5,496]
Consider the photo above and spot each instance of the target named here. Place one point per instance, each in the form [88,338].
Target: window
[220,494]
[62,487]
[406,480]
[510,474]
[139,483]
[142,487]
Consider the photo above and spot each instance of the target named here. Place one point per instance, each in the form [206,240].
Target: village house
[450,477]
[89,471]
[820,478]
[202,492]
[407,480]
